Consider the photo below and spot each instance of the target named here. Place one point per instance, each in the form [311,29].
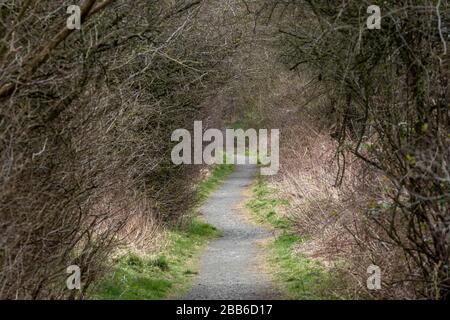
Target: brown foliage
[85,125]
[388,106]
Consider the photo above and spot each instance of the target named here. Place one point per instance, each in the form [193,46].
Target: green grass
[163,274]
[168,273]
[300,277]
[264,206]
[234,125]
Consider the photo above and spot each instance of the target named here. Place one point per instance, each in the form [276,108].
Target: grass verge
[160,275]
[300,277]
[167,273]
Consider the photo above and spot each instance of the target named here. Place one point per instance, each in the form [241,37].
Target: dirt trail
[229,268]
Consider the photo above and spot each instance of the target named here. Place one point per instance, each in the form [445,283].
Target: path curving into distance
[229,267]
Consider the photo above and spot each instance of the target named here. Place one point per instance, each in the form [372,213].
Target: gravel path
[229,267]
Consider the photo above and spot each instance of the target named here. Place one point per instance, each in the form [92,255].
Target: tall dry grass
[85,124]
[382,96]
[333,220]
[332,216]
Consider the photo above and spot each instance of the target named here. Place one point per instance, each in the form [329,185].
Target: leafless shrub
[85,129]
[388,107]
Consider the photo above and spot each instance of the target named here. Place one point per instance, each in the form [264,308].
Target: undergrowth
[167,273]
[299,277]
